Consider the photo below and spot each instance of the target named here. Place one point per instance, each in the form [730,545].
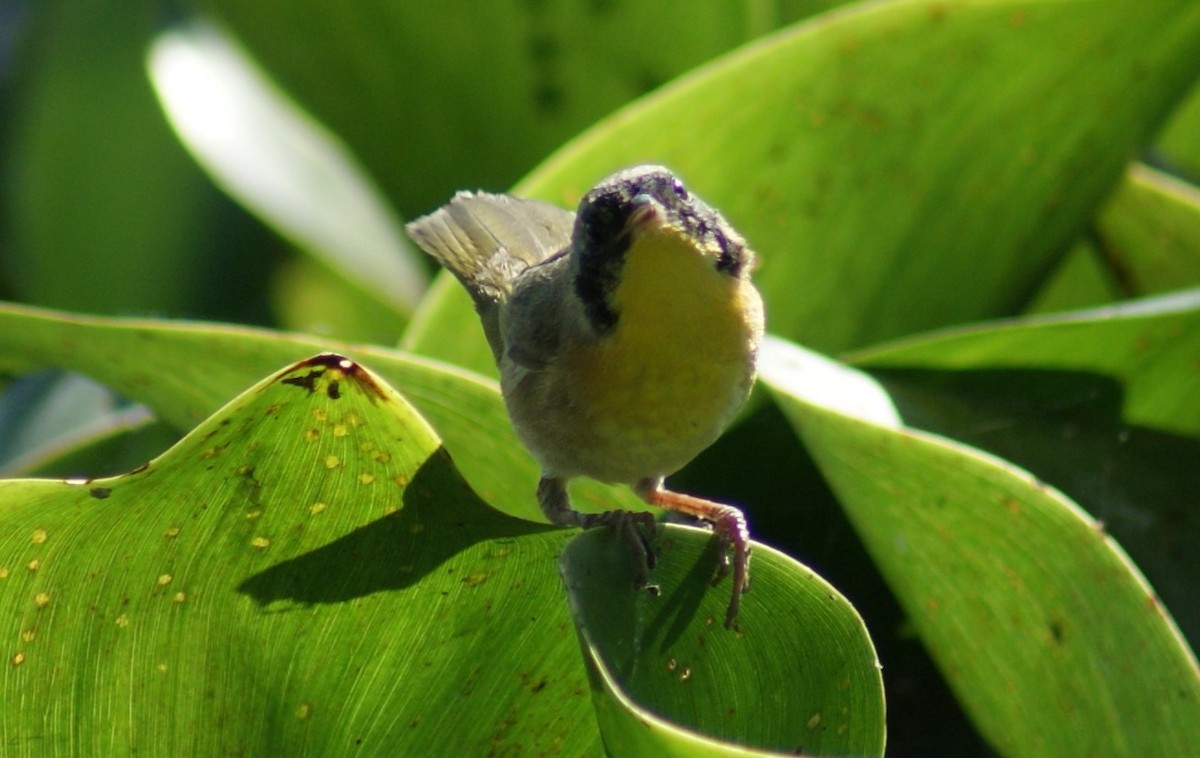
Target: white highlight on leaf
[825,383]
[278,162]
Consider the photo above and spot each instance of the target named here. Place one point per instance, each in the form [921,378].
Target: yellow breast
[680,361]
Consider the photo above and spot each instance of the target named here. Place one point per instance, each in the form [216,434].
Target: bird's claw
[632,527]
[733,550]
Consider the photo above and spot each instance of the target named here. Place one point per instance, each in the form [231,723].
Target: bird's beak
[646,211]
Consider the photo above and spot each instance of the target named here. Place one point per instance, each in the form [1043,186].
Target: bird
[626,336]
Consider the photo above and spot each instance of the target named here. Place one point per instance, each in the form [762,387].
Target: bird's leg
[729,525]
[630,526]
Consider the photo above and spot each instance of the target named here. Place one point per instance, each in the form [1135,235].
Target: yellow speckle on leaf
[814,720]
[42,599]
[251,515]
[319,414]
[164,580]
[400,479]
[311,435]
[382,456]
[179,597]
[260,542]
[303,710]
[475,579]
[3,572]
[366,478]
[34,565]
[28,634]
[340,430]
[39,536]
[172,533]
[123,620]
[162,668]
[686,674]
[332,461]
[18,659]
[316,508]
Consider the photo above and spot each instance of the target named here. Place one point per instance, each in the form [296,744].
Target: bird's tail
[488,240]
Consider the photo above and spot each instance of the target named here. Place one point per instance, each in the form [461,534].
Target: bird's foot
[729,527]
[636,529]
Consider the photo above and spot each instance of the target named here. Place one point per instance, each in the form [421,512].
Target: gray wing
[488,241]
[532,321]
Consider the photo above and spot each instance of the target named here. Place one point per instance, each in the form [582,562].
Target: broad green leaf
[437,97]
[1150,233]
[799,676]
[186,371]
[1057,397]
[1080,281]
[1148,346]
[1050,637]
[906,164]
[280,164]
[329,513]
[306,559]
[1178,140]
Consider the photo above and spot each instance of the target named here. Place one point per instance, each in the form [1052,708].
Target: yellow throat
[679,362]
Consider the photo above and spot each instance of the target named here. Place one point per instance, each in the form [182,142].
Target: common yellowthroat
[626,336]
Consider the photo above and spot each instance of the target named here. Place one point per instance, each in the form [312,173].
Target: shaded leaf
[1069,399]
[1050,637]
[1150,233]
[1148,346]
[800,674]
[307,558]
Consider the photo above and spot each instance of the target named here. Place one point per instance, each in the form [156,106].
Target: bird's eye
[680,190]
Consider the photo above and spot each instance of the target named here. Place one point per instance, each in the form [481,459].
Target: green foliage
[334,553]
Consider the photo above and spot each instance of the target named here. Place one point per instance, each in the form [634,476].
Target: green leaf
[1080,281]
[1069,399]
[123,442]
[329,532]
[800,675]
[1049,636]
[437,97]
[186,371]
[1150,233]
[307,558]
[279,163]
[102,211]
[1148,346]
[1178,140]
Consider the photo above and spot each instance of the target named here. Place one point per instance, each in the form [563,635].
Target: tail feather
[488,240]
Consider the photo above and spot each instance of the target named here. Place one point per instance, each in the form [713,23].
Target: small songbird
[626,336]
